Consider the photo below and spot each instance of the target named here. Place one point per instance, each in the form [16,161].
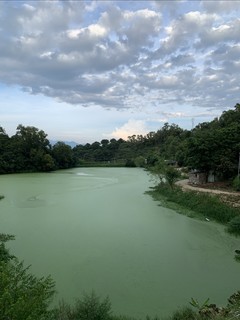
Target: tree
[32,138]
[47,163]
[29,146]
[171,175]
[215,145]
[4,152]
[201,149]
[22,295]
[104,142]
[140,161]
[165,173]
[157,170]
[63,155]
[4,252]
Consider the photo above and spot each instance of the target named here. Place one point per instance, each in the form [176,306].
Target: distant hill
[72,144]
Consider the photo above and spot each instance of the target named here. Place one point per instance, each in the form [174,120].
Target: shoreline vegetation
[197,205]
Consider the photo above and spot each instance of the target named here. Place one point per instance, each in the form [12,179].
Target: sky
[85,71]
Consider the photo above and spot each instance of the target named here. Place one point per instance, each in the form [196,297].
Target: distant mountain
[72,144]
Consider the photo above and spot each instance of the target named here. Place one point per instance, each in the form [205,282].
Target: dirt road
[184,184]
[231,198]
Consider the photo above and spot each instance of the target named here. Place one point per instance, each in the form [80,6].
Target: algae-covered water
[95,229]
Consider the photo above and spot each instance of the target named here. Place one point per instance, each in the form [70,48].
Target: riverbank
[227,196]
[201,205]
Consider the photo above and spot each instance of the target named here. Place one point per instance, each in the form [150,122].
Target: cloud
[132,127]
[220,6]
[222,33]
[122,54]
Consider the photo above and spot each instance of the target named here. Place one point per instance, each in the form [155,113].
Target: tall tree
[30,146]
[63,155]
[215,145]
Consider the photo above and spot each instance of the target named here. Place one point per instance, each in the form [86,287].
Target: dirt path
[184,184]
[231,198]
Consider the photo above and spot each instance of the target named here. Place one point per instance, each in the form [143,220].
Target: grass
[195,204]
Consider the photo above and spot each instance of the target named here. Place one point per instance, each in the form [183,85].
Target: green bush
[185,314]
[234,225]
[140,162]
[236,183]
[22,295]
[90,307]
[130,163]
[171,175]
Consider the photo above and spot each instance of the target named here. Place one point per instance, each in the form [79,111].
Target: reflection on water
[83,174]
[95,228]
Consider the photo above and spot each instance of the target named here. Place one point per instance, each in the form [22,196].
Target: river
[95,229]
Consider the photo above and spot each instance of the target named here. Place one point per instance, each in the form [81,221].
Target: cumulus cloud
[123,54]
[220,6]
[132,127]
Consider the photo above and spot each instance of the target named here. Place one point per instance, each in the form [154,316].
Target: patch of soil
[223,185]
[223,190]
[233,201]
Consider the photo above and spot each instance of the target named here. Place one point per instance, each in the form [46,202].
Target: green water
[95,228]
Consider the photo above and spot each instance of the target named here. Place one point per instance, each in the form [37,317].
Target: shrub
[171,175]
[236,183]
[130,163]
[90,307]
[24,296]
[140,161]
[234,225]
[185,314]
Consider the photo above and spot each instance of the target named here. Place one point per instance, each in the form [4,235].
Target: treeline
[209,146]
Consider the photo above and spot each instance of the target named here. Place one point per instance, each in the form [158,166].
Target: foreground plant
[90,307]
[22,295]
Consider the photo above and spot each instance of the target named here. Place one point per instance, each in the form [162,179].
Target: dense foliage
[209,146]
[22,295]
[216,145]
[30,150]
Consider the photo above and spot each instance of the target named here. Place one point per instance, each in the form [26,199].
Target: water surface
[95,228]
